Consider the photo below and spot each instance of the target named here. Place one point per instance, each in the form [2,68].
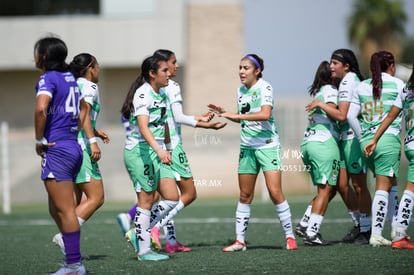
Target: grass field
[206,226]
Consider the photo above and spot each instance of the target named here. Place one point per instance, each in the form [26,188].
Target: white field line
[32,222]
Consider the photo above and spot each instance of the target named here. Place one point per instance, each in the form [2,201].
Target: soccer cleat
[363,238]
[404,243]
[300,230]
[131,238]
[124,221]
[152,256]
[378,240]
[351,235]
[291,244]
[58,241]
[236,246]
[71,269]
[155,238]
[315,240]
[178,247]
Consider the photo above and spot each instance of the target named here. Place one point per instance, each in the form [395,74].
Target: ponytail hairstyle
[346,56]
[80,64]
[52,52]
[257,62]
[322,78]
[380,62]
[150,64]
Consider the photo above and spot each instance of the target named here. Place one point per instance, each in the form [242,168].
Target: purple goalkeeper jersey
[63,109]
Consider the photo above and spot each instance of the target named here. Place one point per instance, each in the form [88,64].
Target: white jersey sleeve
[142,103]
[347,86]
[180,117]
[353,112]
[88,89]
[174,92]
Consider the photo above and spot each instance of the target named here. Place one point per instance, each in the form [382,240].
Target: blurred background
[209,38]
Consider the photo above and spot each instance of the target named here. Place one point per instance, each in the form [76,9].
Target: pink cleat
[155,238]
[291,244]
[178,247]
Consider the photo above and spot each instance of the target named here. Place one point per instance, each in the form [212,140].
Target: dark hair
[163,53]
[257,62]
[149,64]
[81,63]
[380,62]
[410,81]
[346,56]
[322,77]
[52,52]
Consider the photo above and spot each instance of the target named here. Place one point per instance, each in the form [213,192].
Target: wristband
[168,147]
[42,141]
[92,140]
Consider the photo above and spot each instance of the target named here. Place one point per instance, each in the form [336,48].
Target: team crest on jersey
[269,88]
[254,96]
[151,181]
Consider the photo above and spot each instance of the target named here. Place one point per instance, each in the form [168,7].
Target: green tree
[377,25]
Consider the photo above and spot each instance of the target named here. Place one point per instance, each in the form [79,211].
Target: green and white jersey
[373,111]
[90,92]
[173,92]
[345,90]
[257,134]
[405,101]
[146,102]
[321,127]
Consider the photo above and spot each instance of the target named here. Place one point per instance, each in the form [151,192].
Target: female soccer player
[320,152]
[405,102]
[180,164]
[85,68]
[259,149]
[373,99]
[145,155]
[58,115]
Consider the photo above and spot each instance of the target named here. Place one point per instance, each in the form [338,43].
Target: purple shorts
[62,161]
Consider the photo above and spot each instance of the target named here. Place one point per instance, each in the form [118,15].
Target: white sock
[162,209]
[171,214]
[242,220]
[305,219]
[169,231]
[142,230]
[285,218]
[314,224]
[355,215]
[379,211]
[404,214]
[393,205]
[364,223]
